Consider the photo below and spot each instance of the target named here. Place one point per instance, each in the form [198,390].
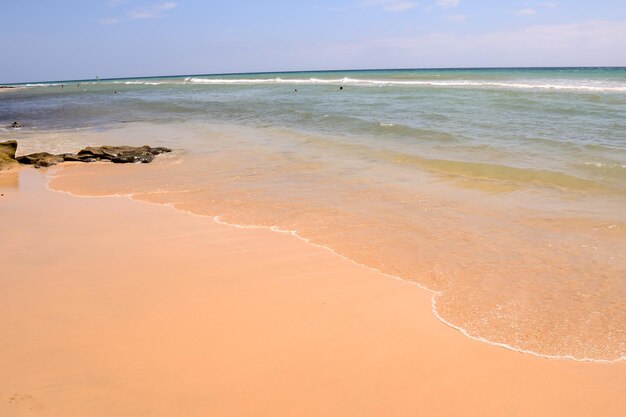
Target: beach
[120,307]
[329,243]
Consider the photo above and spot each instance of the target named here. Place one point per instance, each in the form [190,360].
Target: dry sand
[112,307]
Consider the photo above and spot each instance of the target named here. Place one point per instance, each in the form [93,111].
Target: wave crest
[590,87]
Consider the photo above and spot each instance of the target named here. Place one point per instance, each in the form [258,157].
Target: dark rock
[122,154]
[70,157]
[159,150]
[115,154]
[8,148]
[16,124]
[100,152]
[40,159]
[144,158]
[7,154]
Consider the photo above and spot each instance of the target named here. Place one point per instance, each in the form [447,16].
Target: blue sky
[58,40]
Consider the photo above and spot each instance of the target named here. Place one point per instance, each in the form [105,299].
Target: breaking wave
[590,87]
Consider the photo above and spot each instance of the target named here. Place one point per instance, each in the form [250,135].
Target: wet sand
[113,307]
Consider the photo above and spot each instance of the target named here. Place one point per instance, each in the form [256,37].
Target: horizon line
[313,71]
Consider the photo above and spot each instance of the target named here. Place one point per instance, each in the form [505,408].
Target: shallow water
[502,190]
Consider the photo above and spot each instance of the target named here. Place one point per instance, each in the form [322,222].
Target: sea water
[501,190]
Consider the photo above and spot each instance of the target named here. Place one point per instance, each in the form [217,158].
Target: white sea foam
[130,82]
[605,165]
[102,83]
[43,85]
[142,83]
[362,82]
[556,85]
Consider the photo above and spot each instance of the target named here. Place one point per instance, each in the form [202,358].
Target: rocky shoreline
[116,154]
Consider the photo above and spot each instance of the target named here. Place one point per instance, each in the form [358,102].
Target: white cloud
[457,18]
[151,12]
[588,43]
[526,12]
[447,4]
[391,5]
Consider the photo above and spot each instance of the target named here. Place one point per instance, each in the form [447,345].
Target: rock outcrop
[40,159]
[120,154]
[115,154]
[7,154]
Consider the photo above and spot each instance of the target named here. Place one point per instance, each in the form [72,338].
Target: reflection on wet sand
[9,179]
[536,269]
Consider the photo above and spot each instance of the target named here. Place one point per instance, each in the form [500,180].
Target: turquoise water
[569,121]
[502,190]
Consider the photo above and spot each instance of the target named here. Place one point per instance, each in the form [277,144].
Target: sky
[79,39]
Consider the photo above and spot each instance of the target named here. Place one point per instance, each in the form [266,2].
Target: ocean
[503,191]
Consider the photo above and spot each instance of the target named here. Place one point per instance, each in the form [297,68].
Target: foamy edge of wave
[384,83]
[42,85]
[138,82]
[604,164]
[361,83]
[217,219]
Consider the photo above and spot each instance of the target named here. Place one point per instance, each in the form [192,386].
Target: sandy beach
[114,307]
[372,208]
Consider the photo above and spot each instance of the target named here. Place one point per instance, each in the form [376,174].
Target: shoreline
[294,330]
[170,182]
[293,233]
